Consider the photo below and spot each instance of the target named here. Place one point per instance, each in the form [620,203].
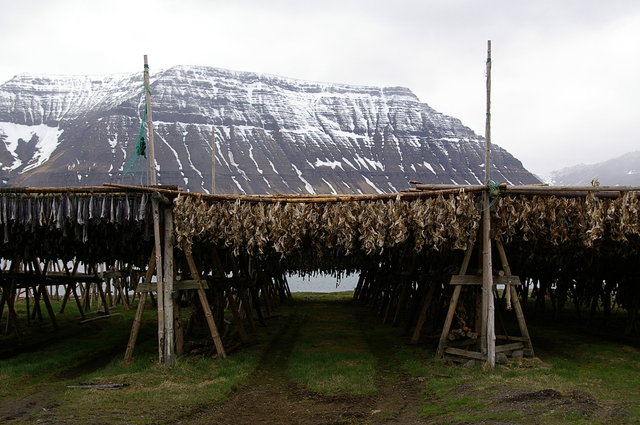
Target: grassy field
[320,350]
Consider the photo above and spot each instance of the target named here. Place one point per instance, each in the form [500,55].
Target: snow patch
[332,164]
[426,164]
[370,183]
[307,185]
[48,141]
[333,190]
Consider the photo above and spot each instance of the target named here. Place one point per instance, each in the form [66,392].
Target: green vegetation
[331,355]
[331,347]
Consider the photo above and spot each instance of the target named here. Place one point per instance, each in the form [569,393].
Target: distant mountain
[272,134]
[621,171]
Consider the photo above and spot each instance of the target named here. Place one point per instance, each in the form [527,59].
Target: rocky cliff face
[272,134]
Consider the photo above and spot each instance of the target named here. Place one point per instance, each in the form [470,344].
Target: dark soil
[272,399]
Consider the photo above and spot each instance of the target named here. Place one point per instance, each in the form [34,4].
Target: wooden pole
[213,159]
[488,327]
[159,281]
[137,320]
[170,347]
[152,153]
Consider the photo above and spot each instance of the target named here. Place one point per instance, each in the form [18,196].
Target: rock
[470,364]
[517,354]
[501,358]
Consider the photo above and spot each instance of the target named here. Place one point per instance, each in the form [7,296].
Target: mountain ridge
[273,134]
[623,170]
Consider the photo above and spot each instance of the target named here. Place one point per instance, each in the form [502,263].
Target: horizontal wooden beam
[465,353]
[178,285]
[471,279]
[509,347]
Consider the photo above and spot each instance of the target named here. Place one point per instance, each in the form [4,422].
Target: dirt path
[271,398]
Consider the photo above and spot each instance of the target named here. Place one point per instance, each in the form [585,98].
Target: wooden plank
[178,285]
[93,319]
[512,338]
[470,279]
[465,353]
[509,347]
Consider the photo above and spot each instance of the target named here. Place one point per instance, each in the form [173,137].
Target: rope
[493,189]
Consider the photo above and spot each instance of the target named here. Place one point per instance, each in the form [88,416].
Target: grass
[330,355]
[596,379]
[582,375]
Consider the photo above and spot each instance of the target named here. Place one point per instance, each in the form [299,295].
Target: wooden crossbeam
[469,279]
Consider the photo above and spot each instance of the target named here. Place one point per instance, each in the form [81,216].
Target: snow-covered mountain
[272,134]
[621,171]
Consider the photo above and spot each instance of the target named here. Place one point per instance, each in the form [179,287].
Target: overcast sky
[566,73]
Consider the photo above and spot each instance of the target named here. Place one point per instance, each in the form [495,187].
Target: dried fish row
[366,227]
[91,227]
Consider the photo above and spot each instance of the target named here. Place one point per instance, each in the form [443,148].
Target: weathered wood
[97,386]
[167,274]
[453,303]
[93,319]
[422,316]
[511,338]
[137,320]
[47,303]
[465,353]
[470,279]
[178,285]
[155,205]
[509,347]
[213,329]
[488,341]
[447,323]
[522,324]
[147,95]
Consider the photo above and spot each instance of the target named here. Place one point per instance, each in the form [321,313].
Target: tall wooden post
[152,153]
[169,340]
[213,159]
[159,280]
[488,310]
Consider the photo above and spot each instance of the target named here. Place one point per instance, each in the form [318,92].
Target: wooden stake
[152,153]
[488,327]
[213,159]
[137,320]
[168,272]
[159,278]
[213,329]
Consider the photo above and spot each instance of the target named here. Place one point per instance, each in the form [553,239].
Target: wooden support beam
[137,320]
[452,305]
[159,278]
[513,297]
[465,353]
[167,273]
[469,279]
[213,329]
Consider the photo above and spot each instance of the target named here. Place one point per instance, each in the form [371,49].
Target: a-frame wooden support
[213,329]
[137,320]
[509,281]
